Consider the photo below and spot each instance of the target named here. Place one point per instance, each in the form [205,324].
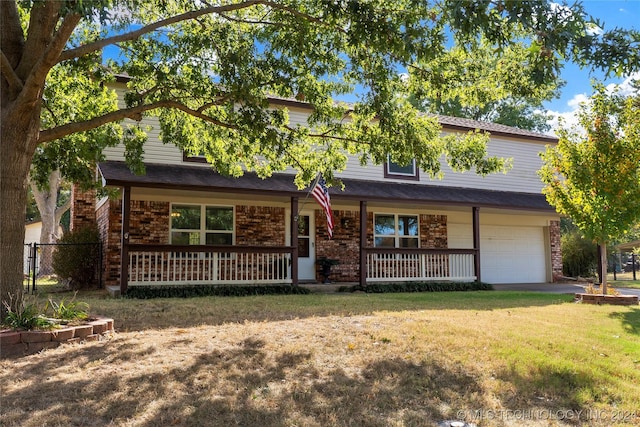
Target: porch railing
[410,264]
[211,265]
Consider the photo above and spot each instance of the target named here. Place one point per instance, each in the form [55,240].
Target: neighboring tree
[593,176]
[51,211]
[481,85]
[579,254]
[207,68]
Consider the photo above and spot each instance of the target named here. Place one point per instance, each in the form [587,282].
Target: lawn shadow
[630,319]
[557,393]
[244,385]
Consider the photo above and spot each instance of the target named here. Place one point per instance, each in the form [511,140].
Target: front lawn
[492,358]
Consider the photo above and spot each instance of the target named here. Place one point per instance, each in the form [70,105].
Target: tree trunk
[18,139]
[603,271]
[47,200]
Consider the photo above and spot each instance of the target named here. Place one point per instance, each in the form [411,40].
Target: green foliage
[67,310]
[594,178]
[77,257]
[203,291]
[380,288]
[579,255]
[481,85]
[208,77]
[25,316]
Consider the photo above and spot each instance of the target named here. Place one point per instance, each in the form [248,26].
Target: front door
[306,247]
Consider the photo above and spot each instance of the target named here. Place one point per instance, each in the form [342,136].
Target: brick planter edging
[22,343]
[607,299]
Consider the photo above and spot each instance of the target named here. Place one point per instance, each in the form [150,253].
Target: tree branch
[15,84]
[92,47]
[220,10]
[133,113]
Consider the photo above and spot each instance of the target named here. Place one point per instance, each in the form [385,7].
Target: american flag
[320,192]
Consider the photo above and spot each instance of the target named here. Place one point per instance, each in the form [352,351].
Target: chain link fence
[39,272]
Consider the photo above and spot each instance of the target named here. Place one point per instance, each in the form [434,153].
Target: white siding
[521,178]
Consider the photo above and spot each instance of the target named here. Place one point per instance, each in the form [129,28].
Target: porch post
[124,240]
[294,241]
[363,243]
[476,241]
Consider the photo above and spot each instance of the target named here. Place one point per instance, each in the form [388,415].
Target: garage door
[508,254]
[512,254]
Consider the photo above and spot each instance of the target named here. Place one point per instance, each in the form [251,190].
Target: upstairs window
[396,231]
[396,171]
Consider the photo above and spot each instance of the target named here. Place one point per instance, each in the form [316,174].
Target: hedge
[379,288]
[204,291]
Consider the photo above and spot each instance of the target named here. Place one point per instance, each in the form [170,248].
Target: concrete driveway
[556,288]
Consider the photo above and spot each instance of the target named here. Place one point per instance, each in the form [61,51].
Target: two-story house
[183,223]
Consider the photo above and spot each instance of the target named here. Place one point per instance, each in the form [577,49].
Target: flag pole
[304,201]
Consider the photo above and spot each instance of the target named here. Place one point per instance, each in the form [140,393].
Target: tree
[481,85]
[594,176]
[206,70]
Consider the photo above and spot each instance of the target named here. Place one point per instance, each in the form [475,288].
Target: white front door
[306,247]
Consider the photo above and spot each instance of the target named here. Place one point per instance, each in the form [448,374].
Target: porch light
[175,214]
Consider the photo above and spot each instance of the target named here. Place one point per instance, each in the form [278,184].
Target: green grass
[338,359]
[635,284]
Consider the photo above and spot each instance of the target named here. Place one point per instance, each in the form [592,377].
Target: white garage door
[512,254]
[508,254]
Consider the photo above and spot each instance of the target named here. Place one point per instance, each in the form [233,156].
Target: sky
[612,14]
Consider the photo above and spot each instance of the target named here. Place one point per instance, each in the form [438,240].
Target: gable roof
[185,177]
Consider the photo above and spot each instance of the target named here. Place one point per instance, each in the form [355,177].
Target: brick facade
[260,225]
[345,244]
[149,223]
[83,208]
[556,250]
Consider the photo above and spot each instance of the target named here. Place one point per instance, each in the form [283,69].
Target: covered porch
[162,264]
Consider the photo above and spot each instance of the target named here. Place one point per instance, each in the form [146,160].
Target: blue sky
[612,14]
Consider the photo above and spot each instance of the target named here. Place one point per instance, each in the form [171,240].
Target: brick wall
[260,225]
[149,224]
[83,208]
[344,246]
[556,250]
[433,231]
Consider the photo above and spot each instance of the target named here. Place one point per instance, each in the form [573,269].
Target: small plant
[592,290]
[24,316]
[68,310]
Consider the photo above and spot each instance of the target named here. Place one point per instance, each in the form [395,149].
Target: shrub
[379,288]
[579,255]
[206,290]
[77,257]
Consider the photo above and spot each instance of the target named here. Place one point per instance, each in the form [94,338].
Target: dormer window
[394,170]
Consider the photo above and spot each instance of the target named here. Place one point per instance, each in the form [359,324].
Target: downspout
[476,241]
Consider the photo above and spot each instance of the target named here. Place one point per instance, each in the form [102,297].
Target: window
[396,231]
[196,158]
[394,170]
[201,225]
